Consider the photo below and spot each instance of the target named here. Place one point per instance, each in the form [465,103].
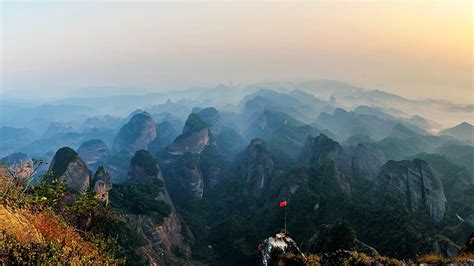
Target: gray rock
[136,134]
[211,117]
[321,148]
[194,142]
[443,246]
[366,164]
[257,167]
[67,165]
[185,177]
[102,184]
[162,238]
[415,184]
[274,250]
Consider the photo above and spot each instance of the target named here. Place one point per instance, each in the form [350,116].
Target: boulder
[279,250]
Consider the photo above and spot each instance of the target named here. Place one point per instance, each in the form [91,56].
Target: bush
[330,238]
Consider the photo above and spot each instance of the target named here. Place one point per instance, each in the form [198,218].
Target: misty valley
[309,173]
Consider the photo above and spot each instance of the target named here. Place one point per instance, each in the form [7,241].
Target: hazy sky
[417,50]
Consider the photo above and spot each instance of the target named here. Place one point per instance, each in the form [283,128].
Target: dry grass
[432,258]
[464,258]
[17,223]
[313,260]
[28,233]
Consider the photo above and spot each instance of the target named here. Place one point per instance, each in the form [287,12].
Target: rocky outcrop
[102,184]
[443,246]
[92,152]
[322,148]
[67,165]
[162,238]
[195,137]
[166,133]
[278,250]
[366,164]
[211,164]
[211,117]
[191,162]
[136,134]
[143,167]
[270,122]
[194,142]
[184,177]
[19,164]
[416,186]
[257,167]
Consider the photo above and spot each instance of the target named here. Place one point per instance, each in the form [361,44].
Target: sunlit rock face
[102,184]
[67,165]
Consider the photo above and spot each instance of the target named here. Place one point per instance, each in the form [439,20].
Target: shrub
[338,236]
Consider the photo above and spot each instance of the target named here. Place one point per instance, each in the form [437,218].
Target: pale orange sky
[417,50]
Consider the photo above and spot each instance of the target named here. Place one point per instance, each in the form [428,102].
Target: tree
[330,238]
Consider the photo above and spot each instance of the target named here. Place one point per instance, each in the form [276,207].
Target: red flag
[282,203]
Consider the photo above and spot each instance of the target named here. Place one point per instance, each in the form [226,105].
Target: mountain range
[199,182]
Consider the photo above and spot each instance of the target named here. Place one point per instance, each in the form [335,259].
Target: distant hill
[463,131]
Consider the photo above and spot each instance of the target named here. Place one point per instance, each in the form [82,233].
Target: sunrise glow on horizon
[417,50]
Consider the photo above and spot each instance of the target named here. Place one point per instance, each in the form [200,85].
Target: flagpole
[285,221]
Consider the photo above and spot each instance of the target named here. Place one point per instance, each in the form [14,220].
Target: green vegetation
[330,238]
[141,198]
[41,228]
[195,122]
[145,160]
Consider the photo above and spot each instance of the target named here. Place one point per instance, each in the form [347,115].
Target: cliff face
[257,167]
[415,185]
[67,165]
[102,184]
[365,163]
[136,134]
[211,117]
[194,142]
[185,178]
[320,149]
[162,237]
[191,162]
